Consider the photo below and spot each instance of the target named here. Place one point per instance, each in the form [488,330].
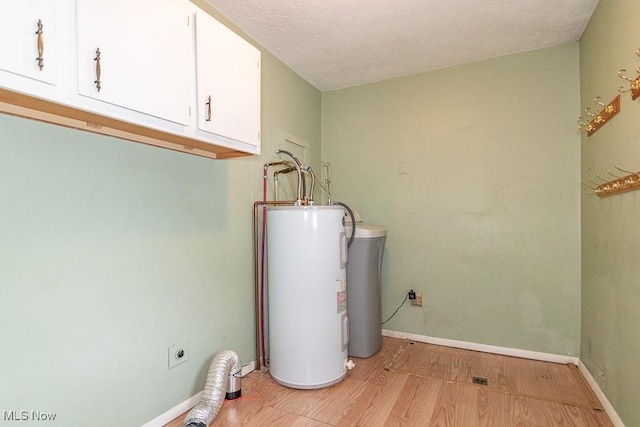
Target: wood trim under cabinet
[26,106]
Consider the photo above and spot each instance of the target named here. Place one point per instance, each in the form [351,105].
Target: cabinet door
[137,55]
[228,82]
[28,39]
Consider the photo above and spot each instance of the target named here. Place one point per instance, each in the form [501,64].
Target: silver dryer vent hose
[223,378]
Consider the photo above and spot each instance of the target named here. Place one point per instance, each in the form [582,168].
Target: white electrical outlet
[178,353]
[418,300]
[404,168]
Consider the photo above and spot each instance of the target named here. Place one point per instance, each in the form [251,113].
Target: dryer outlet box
[178,353]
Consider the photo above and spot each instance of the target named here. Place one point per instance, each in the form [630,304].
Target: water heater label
[341,295]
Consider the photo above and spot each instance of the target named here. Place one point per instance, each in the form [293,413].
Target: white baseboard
[183,407]
[174,412]
[250,367]
[608,407]
[505,351]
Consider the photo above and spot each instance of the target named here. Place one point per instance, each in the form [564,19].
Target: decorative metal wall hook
[585,126]
[622,76]
[635,83]
[615,176]
[622,170]
[608,108]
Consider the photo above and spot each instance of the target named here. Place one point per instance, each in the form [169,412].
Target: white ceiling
[335,44]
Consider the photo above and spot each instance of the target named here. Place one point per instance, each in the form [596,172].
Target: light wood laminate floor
[415,384]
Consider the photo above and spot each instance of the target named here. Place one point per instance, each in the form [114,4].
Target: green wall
[610,228]
[111,251]
[487,222]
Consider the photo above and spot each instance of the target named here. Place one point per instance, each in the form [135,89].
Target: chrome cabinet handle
[97,59]
[208,104]
[40,58]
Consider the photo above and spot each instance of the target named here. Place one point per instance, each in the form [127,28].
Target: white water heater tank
[307,294]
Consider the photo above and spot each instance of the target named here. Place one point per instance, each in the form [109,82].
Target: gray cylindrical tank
[364,304]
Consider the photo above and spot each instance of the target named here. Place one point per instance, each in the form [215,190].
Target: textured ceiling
[335,44]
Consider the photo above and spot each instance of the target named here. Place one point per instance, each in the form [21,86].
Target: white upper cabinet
[136,55]
[29,42]
[228,83]
[163,73]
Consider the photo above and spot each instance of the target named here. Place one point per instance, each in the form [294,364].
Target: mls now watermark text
[28,416]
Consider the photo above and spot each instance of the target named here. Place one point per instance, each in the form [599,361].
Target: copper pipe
[256,273]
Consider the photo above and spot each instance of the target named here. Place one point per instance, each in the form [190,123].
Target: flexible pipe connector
[313,184]
[298,169]
[223,378]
